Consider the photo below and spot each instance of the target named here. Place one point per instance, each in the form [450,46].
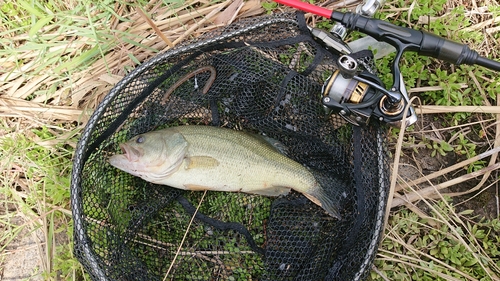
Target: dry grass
[65,91]
[69,89]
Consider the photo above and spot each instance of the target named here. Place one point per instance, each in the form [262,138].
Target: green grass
[60,40]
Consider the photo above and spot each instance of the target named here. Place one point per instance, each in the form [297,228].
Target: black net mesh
[264,76]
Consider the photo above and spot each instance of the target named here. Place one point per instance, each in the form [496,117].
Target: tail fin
[319,197]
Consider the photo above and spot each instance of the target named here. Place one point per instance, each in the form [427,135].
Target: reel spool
[358,97]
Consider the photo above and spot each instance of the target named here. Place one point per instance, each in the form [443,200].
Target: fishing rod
[359,105]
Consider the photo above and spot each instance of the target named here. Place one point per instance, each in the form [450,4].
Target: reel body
[358,95]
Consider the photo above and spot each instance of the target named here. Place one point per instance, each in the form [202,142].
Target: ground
[23,255]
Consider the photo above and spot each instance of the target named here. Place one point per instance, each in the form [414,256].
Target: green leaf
[446,146]
[433,252]
[75,62]
[30,9]
[444,250]
[455,260]
[470,263]
[39,25]
[466,212]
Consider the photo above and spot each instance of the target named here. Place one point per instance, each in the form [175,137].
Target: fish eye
[140,139]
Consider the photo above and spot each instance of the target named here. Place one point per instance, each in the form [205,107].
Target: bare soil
[23,255]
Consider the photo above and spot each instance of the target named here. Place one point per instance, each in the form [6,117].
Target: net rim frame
[82,240]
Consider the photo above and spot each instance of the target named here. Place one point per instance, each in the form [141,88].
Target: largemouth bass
[212,158]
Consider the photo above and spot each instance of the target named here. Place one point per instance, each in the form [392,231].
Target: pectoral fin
[203,162]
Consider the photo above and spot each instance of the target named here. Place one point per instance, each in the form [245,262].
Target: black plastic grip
[443,49]
[380,30]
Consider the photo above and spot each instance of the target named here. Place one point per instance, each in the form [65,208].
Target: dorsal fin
[275,144]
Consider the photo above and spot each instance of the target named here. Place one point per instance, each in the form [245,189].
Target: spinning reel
[358,95]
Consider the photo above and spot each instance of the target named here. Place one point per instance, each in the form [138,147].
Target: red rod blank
[306,7]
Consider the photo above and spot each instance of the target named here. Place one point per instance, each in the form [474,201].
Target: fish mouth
[132,154]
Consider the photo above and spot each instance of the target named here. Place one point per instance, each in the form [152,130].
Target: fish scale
[246,153]
[247,163]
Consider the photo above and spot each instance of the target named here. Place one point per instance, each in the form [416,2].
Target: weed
[442,245]
[441,147]
[417,248]
[40,175]
[269,6]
